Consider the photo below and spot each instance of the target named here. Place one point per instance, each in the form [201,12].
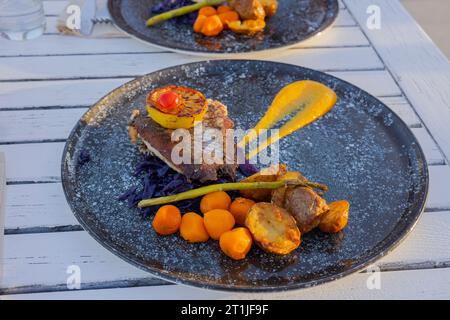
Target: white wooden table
[48,83]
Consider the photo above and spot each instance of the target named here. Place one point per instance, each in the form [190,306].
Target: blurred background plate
[295,21]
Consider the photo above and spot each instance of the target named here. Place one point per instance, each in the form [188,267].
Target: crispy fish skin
[159,142]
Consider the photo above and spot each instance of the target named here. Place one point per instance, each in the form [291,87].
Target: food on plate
[239,208]
[211,26]
[240,16]
[211,22]
[248,27]
[228,17]
[276,206]
[304,101]
[270,7]
[218,221]
[153,133]
[266,175]
[167,220]
[168,5]
[336,218]
[278,195]
[306,206]
[178,10]
[273,228]
[236,243]
[192,228]
[175,107]
[215,200]
[249,9]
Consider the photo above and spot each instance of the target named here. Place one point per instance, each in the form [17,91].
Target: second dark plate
[294,22]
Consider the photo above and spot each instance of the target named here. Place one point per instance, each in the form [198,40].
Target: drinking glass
[21,19]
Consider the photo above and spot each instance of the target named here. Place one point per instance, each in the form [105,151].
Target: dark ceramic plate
[295,21]
[361,149]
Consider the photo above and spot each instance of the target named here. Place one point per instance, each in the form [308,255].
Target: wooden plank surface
[130,65]
[40,260]
[2,209]
[65,45]
[66,93]
[413,284]
[420,68]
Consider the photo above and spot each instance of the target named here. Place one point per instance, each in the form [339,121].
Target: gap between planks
[421,284]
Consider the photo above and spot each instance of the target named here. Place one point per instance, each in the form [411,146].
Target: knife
[88,10]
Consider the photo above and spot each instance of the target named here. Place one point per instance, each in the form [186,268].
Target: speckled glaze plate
[295,21]
[361,149]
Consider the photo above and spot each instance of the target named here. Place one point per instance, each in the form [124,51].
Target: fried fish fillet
[158,141]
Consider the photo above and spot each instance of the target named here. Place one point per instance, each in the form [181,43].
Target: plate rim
[159,273]
[325,26]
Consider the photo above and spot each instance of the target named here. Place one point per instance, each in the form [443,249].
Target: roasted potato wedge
[270,7]
[266,175]
[248,27]
[336,218]
[249,9]
[273,228]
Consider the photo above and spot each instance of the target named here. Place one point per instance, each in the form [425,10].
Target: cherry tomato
[168,100]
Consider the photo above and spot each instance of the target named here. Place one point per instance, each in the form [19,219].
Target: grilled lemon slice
[176,107]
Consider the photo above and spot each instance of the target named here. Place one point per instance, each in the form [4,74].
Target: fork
[102,14]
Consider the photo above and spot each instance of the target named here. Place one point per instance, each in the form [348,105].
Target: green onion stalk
[182,11]
[195,193]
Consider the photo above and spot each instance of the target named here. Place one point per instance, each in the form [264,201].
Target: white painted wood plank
[344,19]
[60,93]
[429,147]
[34,260]
[43,205]
[33,162]
[2,209]
[54,7]
[129,65]
[34,206]
[65,45]
[421,69]
[66,93]
[413,284]
[378,83]
[439,194]
[38,125]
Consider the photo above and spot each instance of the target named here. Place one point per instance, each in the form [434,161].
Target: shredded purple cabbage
[167,5]
[156,179]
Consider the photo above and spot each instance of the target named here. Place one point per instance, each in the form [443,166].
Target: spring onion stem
[195,193]
[182,11]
